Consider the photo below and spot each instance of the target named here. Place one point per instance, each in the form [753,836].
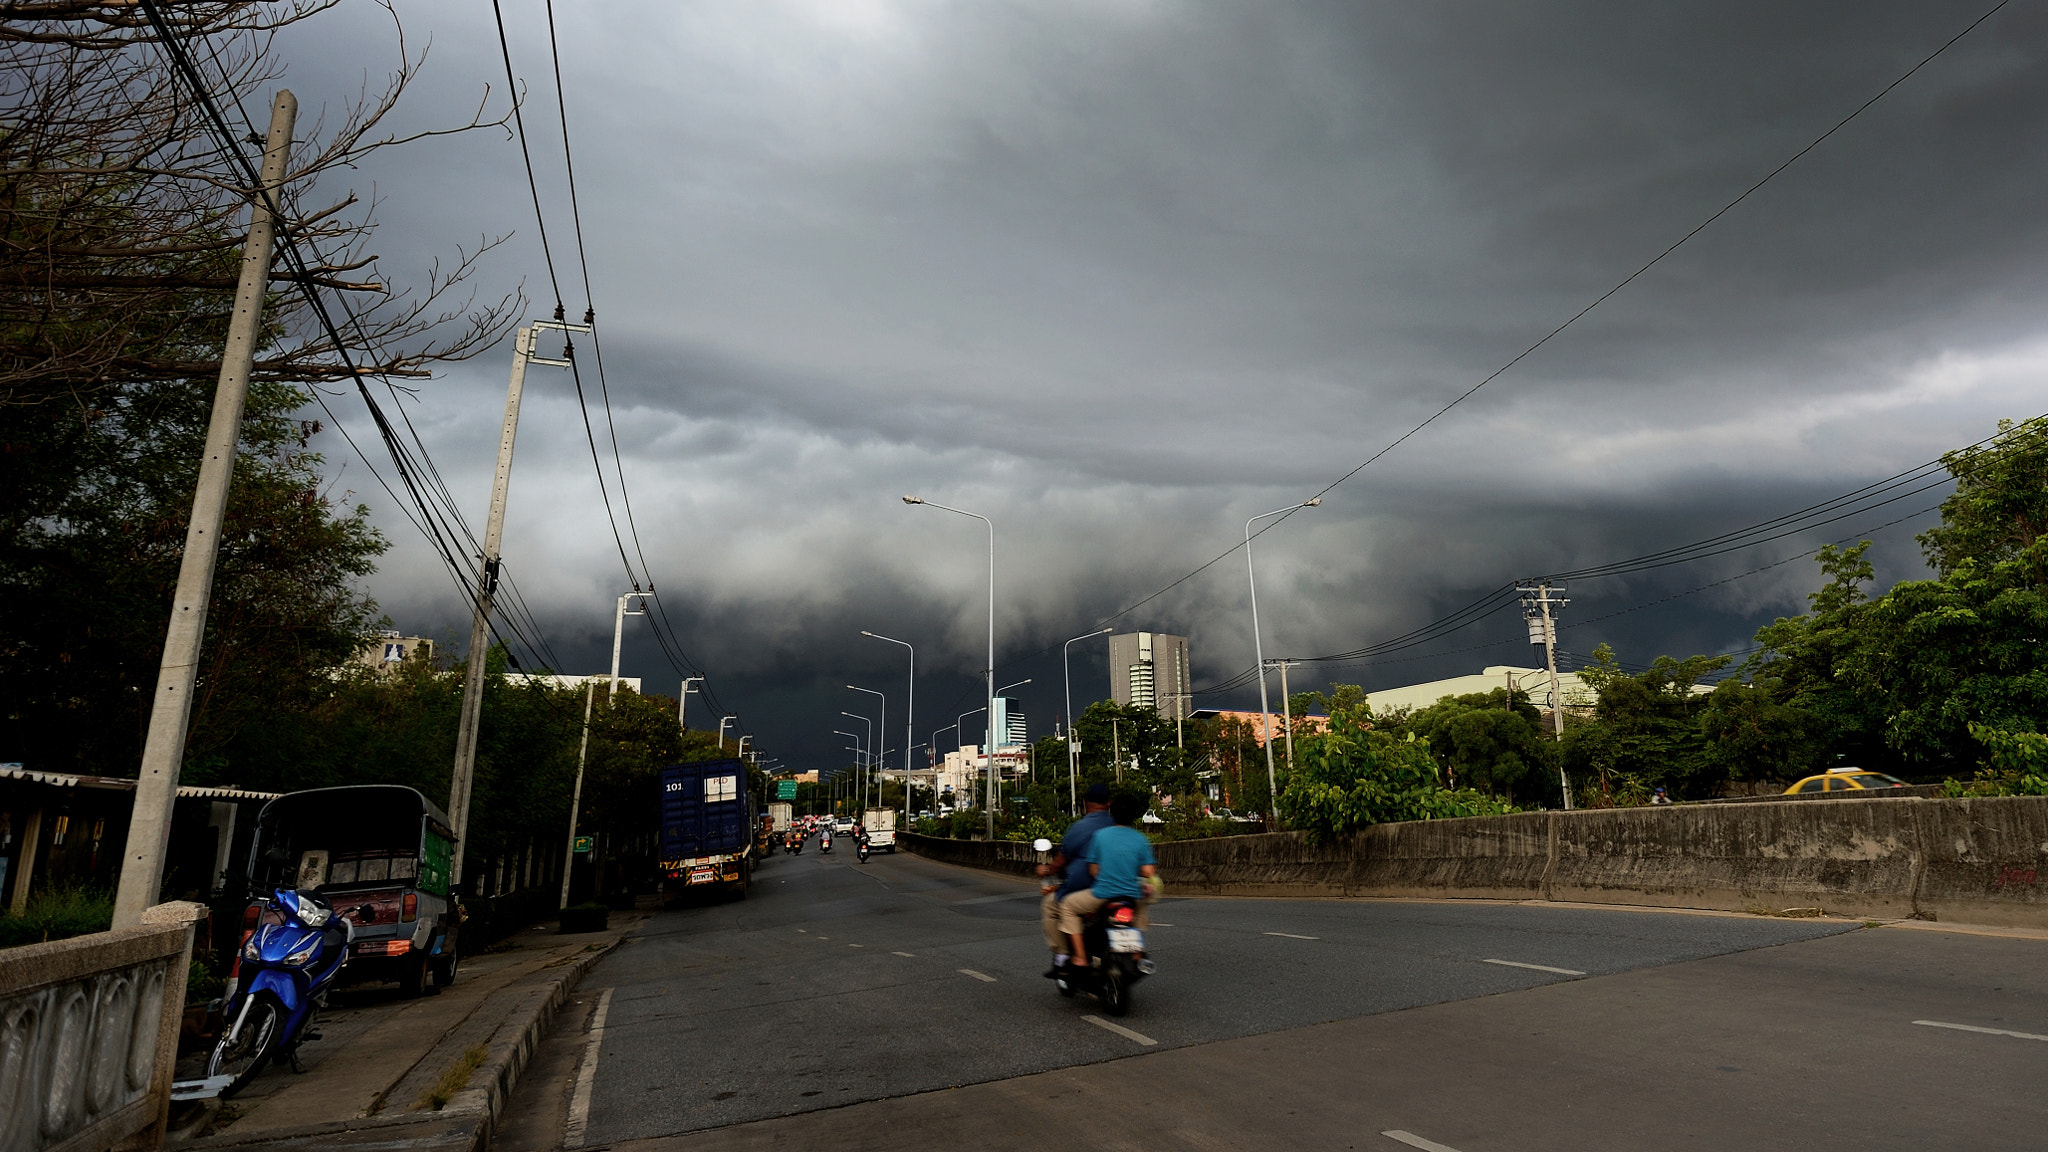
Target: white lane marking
[1414,1141]
[977,975]
[856,945]
[1985,1031]
[823,937]
[1535,967]
[1120,1030]
[578,1124]
[1157,924]
[899,954]
[1292,936]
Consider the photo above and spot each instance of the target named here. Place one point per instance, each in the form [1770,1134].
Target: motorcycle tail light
[249,917]
[409,908]
[1124,915]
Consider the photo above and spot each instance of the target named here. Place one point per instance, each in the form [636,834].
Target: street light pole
[909,716]
[867,743]
[683,701]
[583,749]
[883,724]
[721,732]
[990,822]
[1259,649]
[1073,748]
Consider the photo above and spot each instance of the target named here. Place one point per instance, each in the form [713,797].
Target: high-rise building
[1150,669]
[1010,722]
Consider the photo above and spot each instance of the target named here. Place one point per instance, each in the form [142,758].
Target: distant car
[1151,817]
[1233,817]
[1845,780]
[842,826]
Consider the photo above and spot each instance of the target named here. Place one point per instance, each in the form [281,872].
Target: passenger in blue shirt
[1073,848]
[1119,859]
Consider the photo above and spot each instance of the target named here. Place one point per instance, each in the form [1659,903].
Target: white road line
[1534,968]
[856,945]
[1414,1141]
[1292,936]
[1157,924]
[1985,1031]
[899,954]
[1120,1030]
[573,1132]
[977,975]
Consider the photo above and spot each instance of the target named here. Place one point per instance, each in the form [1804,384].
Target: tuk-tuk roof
[393,796]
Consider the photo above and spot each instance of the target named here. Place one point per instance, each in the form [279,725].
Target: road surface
[899,1005]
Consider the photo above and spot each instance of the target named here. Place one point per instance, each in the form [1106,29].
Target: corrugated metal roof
[124,784]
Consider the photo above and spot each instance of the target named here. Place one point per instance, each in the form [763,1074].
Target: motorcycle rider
[1120,860]
[1067,863]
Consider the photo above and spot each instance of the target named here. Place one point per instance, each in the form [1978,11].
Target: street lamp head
[1317,502]
[1106,631]
[913,499]
[865,632]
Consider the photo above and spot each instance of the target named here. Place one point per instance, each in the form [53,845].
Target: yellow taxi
[1846,780]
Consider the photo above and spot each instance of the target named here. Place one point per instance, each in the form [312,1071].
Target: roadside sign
[586,844]
[785,789]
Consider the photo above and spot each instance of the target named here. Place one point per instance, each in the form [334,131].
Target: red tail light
[1124,915]
[409,908]
[249,917]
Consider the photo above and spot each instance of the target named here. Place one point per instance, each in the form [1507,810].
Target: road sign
[585,844]
[785,789]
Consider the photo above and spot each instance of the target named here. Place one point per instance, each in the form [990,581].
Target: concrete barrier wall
[89,1034]
[1978,861]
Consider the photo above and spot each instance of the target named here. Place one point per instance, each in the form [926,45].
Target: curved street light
[1259,648]
[990,671]
[1073,749]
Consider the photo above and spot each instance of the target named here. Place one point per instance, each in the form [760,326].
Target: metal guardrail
[89,1034]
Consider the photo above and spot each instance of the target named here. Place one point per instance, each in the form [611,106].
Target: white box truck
[881,826]
[785,816]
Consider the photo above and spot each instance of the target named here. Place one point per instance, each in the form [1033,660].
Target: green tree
[1482,742]
[1353,774]
[1645,730]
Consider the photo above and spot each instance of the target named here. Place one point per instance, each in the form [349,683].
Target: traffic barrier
[89,1034]
[1977,860]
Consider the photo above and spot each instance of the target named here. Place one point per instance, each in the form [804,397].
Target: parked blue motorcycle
[286,969]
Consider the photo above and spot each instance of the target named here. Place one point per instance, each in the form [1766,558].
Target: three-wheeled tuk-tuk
[380,846]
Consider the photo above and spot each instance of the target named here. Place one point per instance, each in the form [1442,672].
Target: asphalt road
[837,985]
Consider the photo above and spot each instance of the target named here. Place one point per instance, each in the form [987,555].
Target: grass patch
[454,1080]
[57,914]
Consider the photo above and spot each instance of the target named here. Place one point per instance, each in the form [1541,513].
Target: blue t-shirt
[1118,852]
[1074,846]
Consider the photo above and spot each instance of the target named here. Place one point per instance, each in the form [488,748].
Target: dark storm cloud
[1120,275]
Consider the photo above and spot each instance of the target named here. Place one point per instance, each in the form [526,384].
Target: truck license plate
[1126,940]
[705,877]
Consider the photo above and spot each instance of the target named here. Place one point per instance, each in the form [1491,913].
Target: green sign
[585,844]
[785,789]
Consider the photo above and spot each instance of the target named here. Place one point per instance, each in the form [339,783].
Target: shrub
[56,914]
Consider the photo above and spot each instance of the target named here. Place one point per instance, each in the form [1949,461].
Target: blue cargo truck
[707,827]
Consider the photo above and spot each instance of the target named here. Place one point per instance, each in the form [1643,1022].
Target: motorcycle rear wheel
[1116,993]
[252,1049]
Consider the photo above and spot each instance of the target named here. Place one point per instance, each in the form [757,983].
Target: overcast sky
[1119,274]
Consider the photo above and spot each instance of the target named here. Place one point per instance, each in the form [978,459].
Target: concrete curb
[466,1124]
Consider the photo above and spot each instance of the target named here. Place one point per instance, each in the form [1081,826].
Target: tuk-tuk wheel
[412,981]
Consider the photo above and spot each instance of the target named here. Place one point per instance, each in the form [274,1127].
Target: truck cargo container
[784,814]
[707,827]
[881,826]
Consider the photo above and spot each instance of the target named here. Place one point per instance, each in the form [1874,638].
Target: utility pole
[1537,603]
[1287,709]
[487,586]
[170,715]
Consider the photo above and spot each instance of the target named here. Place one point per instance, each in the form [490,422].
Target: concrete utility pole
[170,715]
[1536,605]
[487,587]
[1287,708]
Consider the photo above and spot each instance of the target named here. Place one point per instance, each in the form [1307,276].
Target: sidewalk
[383,1064]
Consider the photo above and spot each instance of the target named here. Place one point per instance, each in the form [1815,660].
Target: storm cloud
[1121,274]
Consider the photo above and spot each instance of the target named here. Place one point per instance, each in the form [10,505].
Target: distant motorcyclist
[1066,864]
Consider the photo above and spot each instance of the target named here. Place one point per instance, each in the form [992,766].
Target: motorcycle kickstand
[296,1066]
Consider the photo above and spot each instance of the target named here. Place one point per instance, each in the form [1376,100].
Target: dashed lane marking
[1414,1141]
[1291,936]
[1985,1031]
[1535,967]
[1120,1030]
[983,976]
[899,953]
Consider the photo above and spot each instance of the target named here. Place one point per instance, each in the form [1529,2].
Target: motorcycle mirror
[1041,845]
